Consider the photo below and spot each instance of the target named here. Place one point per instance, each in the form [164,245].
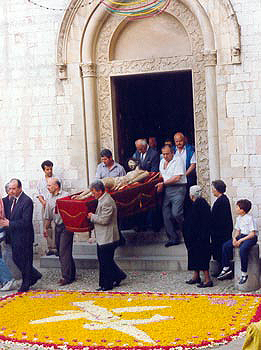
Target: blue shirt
[103,171]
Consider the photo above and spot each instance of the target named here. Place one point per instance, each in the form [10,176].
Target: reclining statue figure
[116,183]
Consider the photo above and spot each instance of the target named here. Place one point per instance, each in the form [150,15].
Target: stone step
[141,263]
[133,249]
[143,251]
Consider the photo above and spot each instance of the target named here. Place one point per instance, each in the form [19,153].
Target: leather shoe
[191,281]
[106,288]
[118,282]
[23,288]
[35,279]
[103,289]
[170,243]
[205,285]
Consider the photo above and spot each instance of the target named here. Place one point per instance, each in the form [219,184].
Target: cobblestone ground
[139,281]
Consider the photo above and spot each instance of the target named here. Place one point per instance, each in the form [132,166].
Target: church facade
[64,70]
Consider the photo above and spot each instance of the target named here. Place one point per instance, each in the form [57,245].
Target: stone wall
[41,116]
[239,103]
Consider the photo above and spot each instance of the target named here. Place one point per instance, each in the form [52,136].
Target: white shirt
[245,224]
[174,168]
[50,212]
[143,155]
[183,156]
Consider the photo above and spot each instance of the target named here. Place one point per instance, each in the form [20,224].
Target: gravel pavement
[139,281]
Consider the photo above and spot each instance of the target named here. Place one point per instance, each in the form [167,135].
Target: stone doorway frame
[96,69]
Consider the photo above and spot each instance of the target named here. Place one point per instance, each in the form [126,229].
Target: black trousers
[109,271]
[23,258]
[64,244]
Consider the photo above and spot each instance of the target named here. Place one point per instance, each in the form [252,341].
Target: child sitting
[245,237]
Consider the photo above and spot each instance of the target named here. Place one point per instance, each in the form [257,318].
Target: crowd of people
[207,231]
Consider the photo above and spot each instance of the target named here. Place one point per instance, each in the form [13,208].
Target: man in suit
[107,237]
[147,157]
[20,228]
[7,252]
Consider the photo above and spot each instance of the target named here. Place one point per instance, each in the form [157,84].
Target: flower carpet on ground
[89,320]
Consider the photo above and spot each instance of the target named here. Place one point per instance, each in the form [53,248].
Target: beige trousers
[50,239]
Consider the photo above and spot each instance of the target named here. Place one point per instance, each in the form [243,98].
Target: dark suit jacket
[20,221]
[151,161]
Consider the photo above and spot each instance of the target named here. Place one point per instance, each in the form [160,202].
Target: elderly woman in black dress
[197,238]
[222,222]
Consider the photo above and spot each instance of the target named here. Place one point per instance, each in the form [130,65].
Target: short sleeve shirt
[246,224]
[103,171]
[174,168]
[183,156]
[49,213]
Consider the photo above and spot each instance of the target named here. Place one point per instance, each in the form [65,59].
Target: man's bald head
[53,185]
[179,140]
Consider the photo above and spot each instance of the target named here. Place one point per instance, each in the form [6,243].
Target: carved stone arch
[75,5]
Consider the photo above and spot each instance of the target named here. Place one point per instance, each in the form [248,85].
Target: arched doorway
[165,55]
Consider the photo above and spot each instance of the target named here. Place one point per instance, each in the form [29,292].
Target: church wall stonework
[42,106]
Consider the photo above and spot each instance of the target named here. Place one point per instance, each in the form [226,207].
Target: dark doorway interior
[152,105]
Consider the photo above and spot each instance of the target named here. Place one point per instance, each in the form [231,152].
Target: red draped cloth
[132,199]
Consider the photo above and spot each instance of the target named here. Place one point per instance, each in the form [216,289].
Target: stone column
[212,114]
[88,74]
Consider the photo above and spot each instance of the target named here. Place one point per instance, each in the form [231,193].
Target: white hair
[195,191]
[141,141]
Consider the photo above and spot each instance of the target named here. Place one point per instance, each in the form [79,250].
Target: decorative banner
[138,9]
[78,319]
[47,7]
[133,10]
